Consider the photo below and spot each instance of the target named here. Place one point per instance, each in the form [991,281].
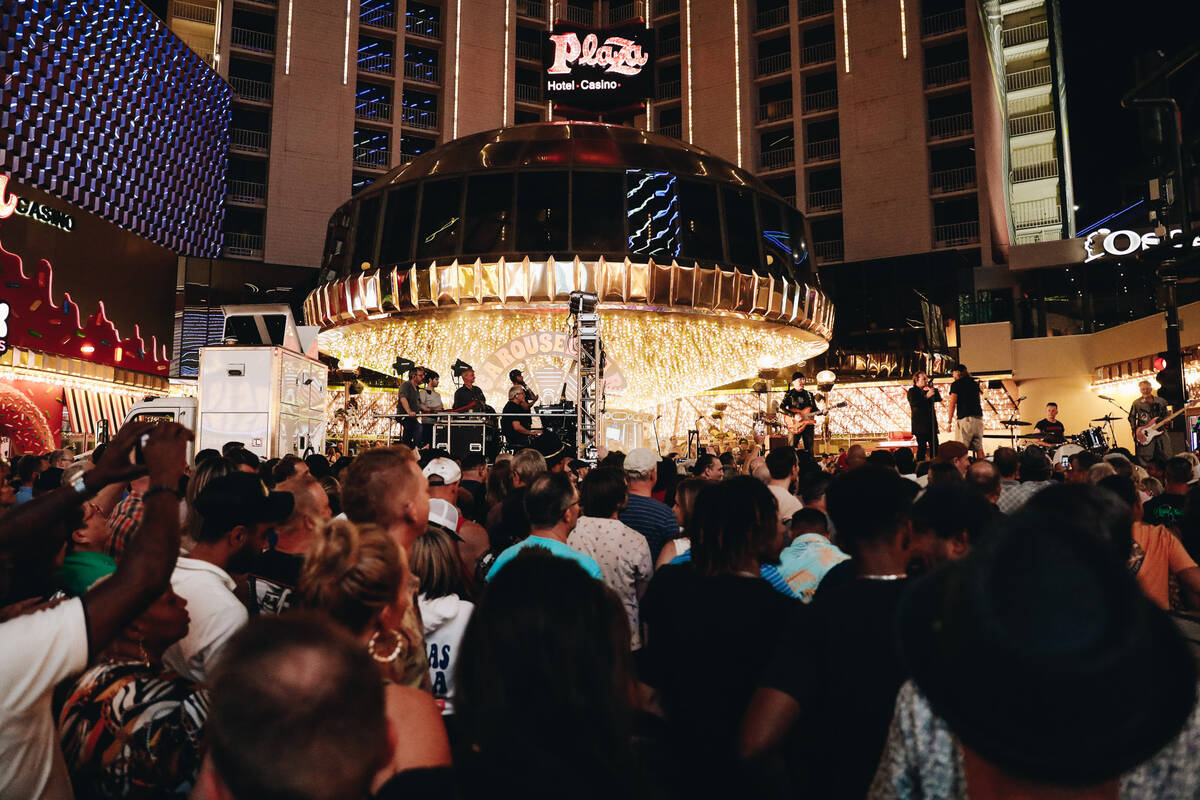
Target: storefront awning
[87,407]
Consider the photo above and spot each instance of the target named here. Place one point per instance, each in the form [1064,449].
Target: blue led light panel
[104,107]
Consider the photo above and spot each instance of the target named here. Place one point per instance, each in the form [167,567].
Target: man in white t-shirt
[41,648]
[236,511]
[784,467]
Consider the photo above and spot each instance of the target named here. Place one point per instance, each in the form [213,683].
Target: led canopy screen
[104,107]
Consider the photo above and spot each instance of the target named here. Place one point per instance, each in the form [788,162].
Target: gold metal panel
[639,282]
[705,295]
[762,294]
[564,276]
[491,281]
[660,285]
[447,291]
[371,293]
[468,286]
[612,281]
[516,282]
[726,299]
[587,276]
[405,295]
[425,285]
[541,282]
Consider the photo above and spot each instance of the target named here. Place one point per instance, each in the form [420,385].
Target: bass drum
[1093,439]
[1066,451]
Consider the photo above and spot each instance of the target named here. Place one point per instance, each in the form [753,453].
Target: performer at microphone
[519,380]
[469,397]
[796,400]
[1051,429]
[922,400]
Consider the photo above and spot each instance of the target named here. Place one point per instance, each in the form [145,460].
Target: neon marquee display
[597,70]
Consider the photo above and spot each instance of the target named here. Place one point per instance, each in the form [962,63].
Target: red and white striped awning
[87,407]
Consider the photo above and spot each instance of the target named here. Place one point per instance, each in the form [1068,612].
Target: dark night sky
[1101,40]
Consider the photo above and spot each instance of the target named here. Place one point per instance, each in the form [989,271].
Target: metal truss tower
[585,328]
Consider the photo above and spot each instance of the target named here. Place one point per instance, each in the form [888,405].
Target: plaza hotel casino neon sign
[591,70]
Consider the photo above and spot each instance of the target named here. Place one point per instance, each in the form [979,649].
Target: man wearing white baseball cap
[471,538]
[652,519]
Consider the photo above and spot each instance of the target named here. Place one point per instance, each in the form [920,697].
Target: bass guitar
[1147,433]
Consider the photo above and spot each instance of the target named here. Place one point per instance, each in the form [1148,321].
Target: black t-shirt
[967,390]
[522,416]
[408,391]
[794,400]
[840,663]
[273,579]
[922,408]
[465,395]
[708,639]
[476,510]
[1165,509]
[1052,432]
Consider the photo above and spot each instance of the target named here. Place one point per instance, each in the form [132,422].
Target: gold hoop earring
[396,652]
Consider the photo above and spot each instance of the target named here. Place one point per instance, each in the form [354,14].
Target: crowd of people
[403,623]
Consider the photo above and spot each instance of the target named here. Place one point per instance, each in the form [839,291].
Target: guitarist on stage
[1145,410]
[799,404]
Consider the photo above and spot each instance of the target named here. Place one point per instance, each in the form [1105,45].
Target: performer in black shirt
[795,400]
[517,423]
[469,397]
[921,399]
[1051,429]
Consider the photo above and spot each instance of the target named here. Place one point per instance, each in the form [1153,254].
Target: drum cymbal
[1014,423]
[1106,418]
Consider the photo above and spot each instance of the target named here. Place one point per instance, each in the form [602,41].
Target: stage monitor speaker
[778,441]
[460,438]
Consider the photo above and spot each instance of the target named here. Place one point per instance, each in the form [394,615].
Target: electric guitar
[797,421]
[1147,433]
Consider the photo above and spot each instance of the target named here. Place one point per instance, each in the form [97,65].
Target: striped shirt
[652,519]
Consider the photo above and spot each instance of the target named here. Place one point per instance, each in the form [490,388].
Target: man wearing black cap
[518,379]
[235,511]
[796,400]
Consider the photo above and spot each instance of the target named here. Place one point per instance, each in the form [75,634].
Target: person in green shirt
[86,562]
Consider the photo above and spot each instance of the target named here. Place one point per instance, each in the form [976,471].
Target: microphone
[1106,397]
[1022,397]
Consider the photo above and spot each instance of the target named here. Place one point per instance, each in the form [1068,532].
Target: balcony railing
[624,12]
[947,74]
[834,250]
[820,101]
[373,110]
[777,158]
[825,200]
[407,158]
[815,8]
[246,192]
[425,73]
[951,126]
[529,51]
[180,9]
[1025,34]
[419,118]
[822,150]
[674,129]
[790,199]
[379,64]
[668,47]
[253,40]
[372,157]
[955,234]
[1028,78]
[771,19]
[1036,171]
[246,245]
[772,65]
[580,16]
[529,94]
[818,53]
[775,110]
[667,90]
[664,7]
[419,26]
[958,179]
[534,9]
[1031,123]
[379,18]
[255,91]
[1037,213]
[248,141]
[946,22]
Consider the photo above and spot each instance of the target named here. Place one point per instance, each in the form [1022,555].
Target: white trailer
[260,388]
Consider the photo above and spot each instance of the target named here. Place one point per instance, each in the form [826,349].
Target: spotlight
[459,367]
[402,365]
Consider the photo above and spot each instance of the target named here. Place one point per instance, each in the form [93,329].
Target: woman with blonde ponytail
[359,576]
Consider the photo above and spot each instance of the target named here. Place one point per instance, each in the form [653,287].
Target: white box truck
[264,388]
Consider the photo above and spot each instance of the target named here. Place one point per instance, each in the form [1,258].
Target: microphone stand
[1111,431]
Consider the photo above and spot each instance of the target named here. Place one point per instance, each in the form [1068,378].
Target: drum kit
[1092,440]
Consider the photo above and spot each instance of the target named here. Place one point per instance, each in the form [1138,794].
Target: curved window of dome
[542,213]
[701,222]
[399,214]
[366,230]
[776,238]
[652,214]
[336,236]
[802,264]
[741,227]
[597,214]
[488,223]
[439,233]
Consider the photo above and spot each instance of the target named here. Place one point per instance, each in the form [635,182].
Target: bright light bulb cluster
[659,356]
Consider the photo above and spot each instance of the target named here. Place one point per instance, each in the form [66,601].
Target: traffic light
[1170,380]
